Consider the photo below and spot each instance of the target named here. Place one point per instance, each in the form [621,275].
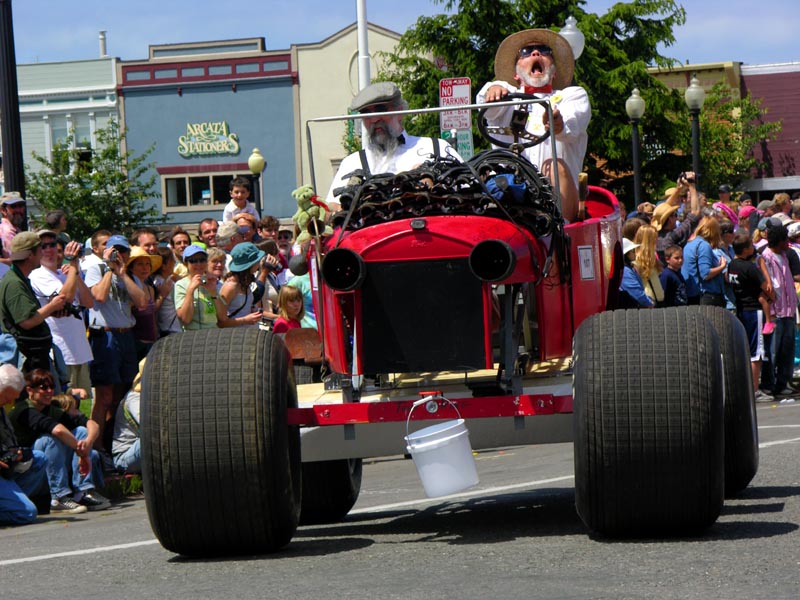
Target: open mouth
[537,68]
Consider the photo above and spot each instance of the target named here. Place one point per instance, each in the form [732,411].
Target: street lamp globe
[635,105]
[694,95]
[256,162]
[573,35]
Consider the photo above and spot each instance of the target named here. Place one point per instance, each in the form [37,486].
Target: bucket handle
[425,400]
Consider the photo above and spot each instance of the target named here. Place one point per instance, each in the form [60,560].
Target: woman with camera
[141,266]
[196,295]
[237,293]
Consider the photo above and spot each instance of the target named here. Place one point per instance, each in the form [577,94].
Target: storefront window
[191,191]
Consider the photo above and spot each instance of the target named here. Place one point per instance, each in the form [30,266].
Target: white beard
[537,81]
[386,139]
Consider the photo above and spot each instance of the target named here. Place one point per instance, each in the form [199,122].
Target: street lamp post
[257,164]
[634,106]
[694,97]
[574,36]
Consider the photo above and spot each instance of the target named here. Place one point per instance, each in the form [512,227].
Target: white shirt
[572,102]
[408,155]
[231,211]
[69,333]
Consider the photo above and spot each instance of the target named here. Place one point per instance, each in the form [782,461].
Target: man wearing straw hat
[540,62]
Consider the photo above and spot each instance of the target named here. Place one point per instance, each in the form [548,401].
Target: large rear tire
[220,464]
[330,489]
[648,423]
[741,426]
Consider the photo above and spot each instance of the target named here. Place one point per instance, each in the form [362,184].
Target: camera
[683,177]
[204,280]
[15,463]
[114,255]
[71,257]
[75,311]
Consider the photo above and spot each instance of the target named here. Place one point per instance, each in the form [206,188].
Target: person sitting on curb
[20,479]
[66,441]
[126,447]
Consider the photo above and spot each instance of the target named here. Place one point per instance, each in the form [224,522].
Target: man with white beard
[540,62]
[389,148]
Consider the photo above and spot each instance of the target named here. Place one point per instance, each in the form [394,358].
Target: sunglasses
[48,245]
[196,261]
[285,236]
[244,229]
[44,386]
[526,51]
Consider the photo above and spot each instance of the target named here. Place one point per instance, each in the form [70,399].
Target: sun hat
[661,214]
[244,256]
[11,198]
[628,245]
[377,93]
[668,193]
[24,244]
[118,240]
[725,210]
[505,60]
[139,252]
[193,249]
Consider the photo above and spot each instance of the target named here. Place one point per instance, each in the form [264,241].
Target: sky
[759,32]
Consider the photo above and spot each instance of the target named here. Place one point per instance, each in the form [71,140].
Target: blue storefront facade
[204,108]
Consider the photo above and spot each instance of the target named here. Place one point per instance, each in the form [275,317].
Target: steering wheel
[515,128]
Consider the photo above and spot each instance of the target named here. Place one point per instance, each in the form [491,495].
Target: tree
[730,128]
[105,189]
[620,45]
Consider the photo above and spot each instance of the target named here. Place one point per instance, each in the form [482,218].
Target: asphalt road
[516,535]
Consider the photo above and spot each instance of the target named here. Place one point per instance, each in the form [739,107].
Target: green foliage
[620,45]
[730,128]
[108,190]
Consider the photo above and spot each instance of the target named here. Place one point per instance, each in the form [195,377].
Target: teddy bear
[309,206]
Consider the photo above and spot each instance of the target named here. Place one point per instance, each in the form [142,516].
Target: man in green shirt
[21,315]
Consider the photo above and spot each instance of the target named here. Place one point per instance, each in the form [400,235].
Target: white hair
[11,377]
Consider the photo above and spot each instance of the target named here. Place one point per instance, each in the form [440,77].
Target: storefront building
[59,99]
[203,108]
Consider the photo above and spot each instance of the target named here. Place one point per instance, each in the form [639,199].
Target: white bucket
[443,457]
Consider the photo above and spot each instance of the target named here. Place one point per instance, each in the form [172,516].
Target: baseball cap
[118,240]
[23,244]
[765,204]
[11,198]
[193,249]
[724,189]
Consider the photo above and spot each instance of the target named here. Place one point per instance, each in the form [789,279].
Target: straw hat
[660,215]
[505,60]
[139,252]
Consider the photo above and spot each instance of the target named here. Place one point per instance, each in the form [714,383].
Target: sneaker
[764,397]
[786,391]
[768,328]
[93,500]
[66,505]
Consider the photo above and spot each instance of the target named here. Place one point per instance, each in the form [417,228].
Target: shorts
[753,321]
[114,357]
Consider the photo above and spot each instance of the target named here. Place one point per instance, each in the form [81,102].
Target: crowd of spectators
[78,321]
[729,253]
